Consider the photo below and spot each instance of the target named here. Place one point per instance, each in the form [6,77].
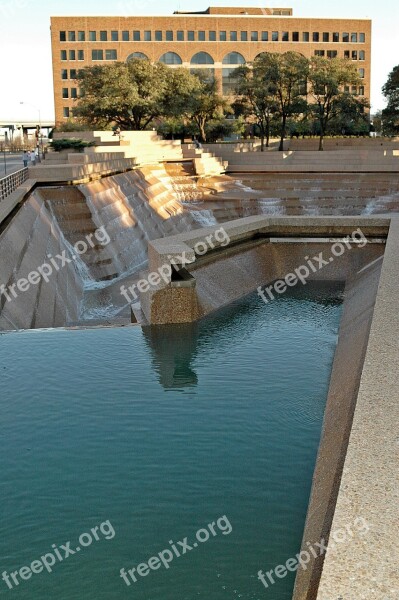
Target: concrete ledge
[366,568]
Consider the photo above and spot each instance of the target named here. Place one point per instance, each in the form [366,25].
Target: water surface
[161,432]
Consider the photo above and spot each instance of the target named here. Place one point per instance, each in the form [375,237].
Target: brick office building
[218,39]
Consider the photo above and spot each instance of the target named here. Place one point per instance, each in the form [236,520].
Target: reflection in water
[174,348]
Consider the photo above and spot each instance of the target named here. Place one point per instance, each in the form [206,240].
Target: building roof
[239,10]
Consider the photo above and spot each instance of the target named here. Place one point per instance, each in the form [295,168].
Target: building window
[180,36]
[316,36]
[319,53]
[347,54]
[202,58]
[72,55]
[63,55]
[111,55]
[234,58]
[233,36]
[170,58]
[346,89]
[190,36]
[295,36]
[222,36]
[74,93]
[169,36]
[274,36]
[137,55]
[335,37]
[354,54]
[64,74]
[362,55]
[265,36]
[254,36]
[66,112]
[72,74]
[103,36]
[65,93]
[306,36]
[201,36]
[212,36]
[362,38]
[93,36]
[158,36]
[229,83]
[354,89]
[345,38]
[354,38]
[244,36]
[81,36]
[97,55]
[362,73]
[285,36]
[361,90]
[71,36]
[208,75]
[62,36]
[136,35]
[147,36]
[125,36]
[332,53]
[326,37]
[114,36]
[81,55]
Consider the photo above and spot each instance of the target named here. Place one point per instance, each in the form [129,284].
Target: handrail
[10,183]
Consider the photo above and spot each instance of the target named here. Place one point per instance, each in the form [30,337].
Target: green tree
[377,122]
[327,79]
[257,94]
[205,104]
[390,114]
[126,94]
[289,72]
[351,117]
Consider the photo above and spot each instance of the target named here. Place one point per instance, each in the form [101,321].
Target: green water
[161,433]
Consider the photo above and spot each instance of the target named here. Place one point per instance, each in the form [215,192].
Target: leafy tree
[390,114]
[257,94]
[352,116]
[377,121]
[222,127]
[129,95]
[327,80]
[205,104]
[180,86]
[288,74]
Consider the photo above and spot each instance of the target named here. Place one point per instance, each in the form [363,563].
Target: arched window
[234,58]
[202,58]
[137,55]
[170,58]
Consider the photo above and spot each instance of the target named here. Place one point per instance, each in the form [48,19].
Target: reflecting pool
[159,433]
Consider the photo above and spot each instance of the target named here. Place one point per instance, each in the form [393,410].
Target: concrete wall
[24,246]
[345,160]
[360,296]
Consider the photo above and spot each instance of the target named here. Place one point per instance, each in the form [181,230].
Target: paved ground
[13,163]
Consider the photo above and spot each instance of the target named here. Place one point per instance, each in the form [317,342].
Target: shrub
[70,144]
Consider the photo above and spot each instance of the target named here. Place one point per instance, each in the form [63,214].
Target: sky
[25,50]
